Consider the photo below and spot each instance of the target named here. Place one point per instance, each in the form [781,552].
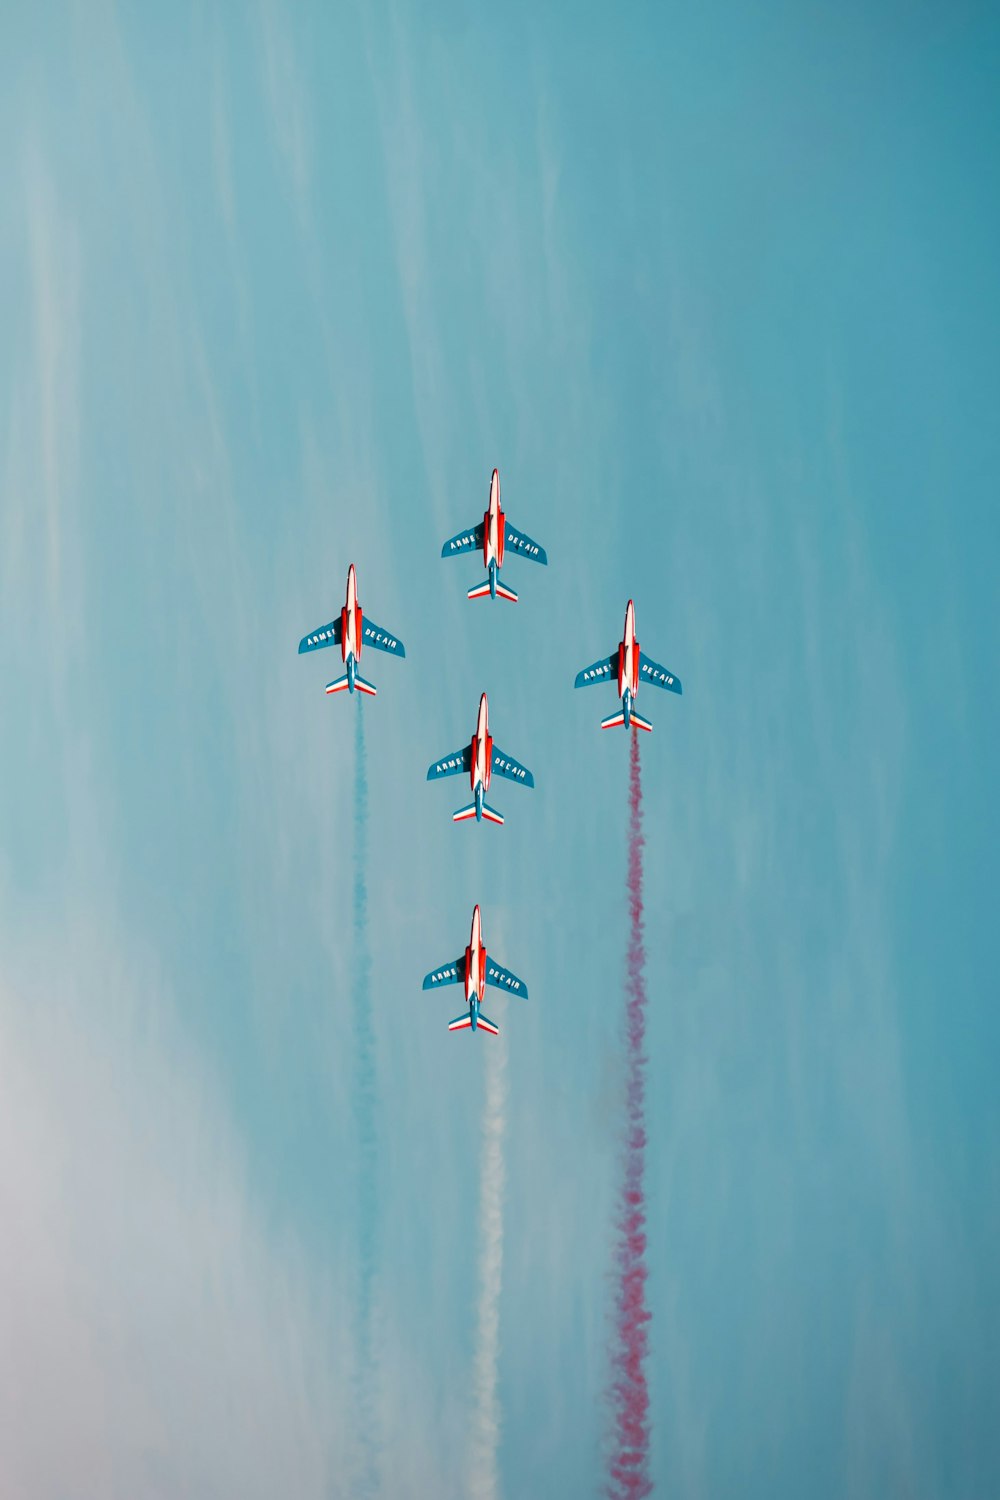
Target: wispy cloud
[287,100]
[146,1309]
[40,517]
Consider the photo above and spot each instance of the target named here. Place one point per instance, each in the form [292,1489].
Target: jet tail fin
[341,684]
[485,1024]
[482,591]
[636,721]
[489,813]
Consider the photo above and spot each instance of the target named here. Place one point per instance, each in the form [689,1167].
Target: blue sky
[716,293]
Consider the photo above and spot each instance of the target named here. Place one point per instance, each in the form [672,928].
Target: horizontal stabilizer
[485,1024]
[338,685]
[639,723]
[460,1022]
[491,815]
[598,671]
[481,591]
[326,635]
[364,686]
[612,720]
[503,592]
[464,813]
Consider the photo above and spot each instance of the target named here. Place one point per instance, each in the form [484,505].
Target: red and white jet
[492,534]
[351,632]
[475,970]
[632,665]
[480,760]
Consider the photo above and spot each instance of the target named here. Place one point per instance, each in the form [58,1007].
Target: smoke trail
[628,1478]
[484,1479]
[364,1103]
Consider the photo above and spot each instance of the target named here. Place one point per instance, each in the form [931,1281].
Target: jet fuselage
[628,664]
[482,757]
[493,526]
[350,629]
[475,969]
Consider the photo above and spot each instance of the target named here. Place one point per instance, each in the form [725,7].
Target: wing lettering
[324,635]
[382,640]
[599,671]
[453,973]
[517,541]
[451,765]
[470,540]
[651,671]
[503,979]
[506,765]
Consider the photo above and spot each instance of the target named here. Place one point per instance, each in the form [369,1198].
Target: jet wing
[503,979]
[450,765]
[651,671]
[466,541]
[325,635]
[599,671]
[516,541]
[453,973]
[382,640]
[506,765]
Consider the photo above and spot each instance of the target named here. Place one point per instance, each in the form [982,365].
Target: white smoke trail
[484,1478]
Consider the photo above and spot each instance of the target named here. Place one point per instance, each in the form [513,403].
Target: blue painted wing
[450,765]
[382,640]
[453,973]
[326,635]
[516,541]
[604,670]
[503,979]
[651,671]
[506,765]
[470,540]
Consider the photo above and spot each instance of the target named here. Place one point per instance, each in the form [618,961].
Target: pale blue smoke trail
[366,1120]
[486,1417]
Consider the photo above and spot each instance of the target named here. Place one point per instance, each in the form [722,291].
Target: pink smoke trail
[628,1477]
